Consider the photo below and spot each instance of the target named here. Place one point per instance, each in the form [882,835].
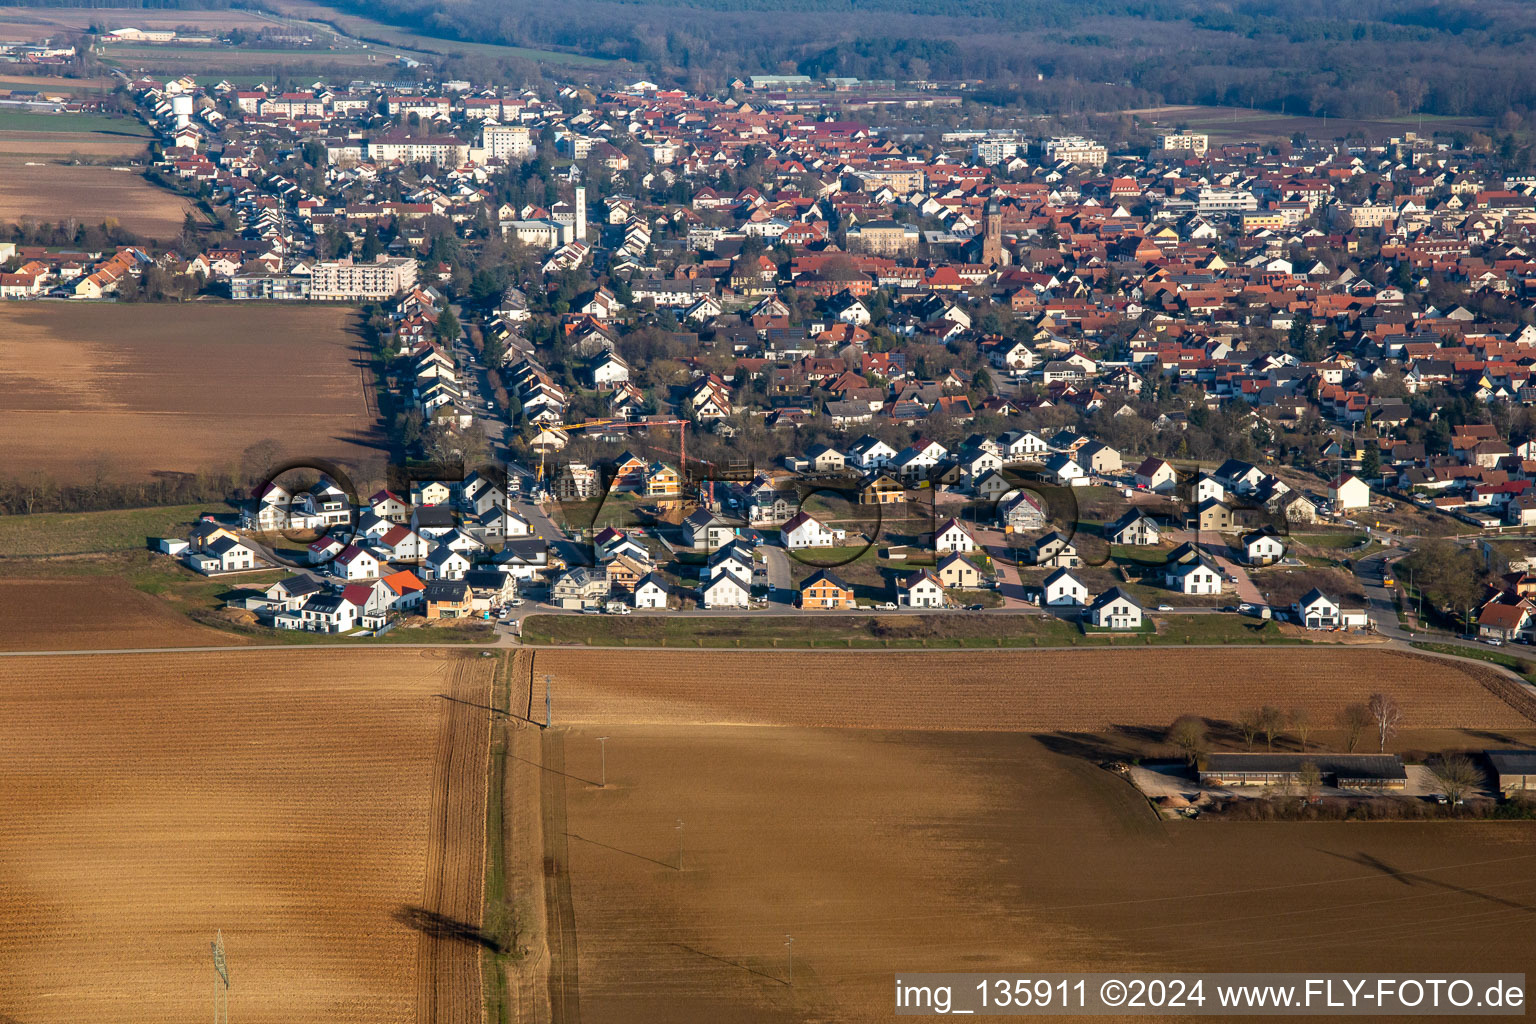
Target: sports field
[144,389]
[325,810]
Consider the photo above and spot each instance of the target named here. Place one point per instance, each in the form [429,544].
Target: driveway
[1009,585]
[776,561]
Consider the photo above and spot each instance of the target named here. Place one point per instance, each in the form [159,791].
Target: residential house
[823,590]
[1062,589]
[806,531]
[920,590]
[1157,475]
[1134,529]
[1262,547]
[1021,512]
[579,587]
[1316,610]
[652,592]
[1054,551]
[1348,491]
[952,537]
[1115,609]
[726,590]
[956,572]
[448,599]
[1196,577]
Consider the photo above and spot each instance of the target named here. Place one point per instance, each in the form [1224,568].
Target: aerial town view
[680,512]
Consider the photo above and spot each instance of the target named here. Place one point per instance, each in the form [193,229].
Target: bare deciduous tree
[1311,778]
[1248,725]
[1187,733]
[1301,725]
[1457,776]
[1271,721]
[1387,715]
[1354,720]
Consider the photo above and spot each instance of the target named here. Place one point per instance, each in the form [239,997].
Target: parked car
[1494,641]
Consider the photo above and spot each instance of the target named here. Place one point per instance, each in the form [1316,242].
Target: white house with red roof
[356,563]
[806,531]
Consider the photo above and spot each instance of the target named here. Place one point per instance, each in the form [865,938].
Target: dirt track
[448,953]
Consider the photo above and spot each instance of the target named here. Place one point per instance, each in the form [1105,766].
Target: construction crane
[646,424]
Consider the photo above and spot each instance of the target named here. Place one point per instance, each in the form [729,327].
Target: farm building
[1514,771]
[1345,771]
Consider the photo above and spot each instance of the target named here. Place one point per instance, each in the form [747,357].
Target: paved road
[780,578]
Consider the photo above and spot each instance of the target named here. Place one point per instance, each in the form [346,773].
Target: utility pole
[789,952]
[602,743]
[679,844]
[546,700]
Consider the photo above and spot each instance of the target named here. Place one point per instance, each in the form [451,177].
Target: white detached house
[806,531]
[952,538]
[1062,589]
[920,590]
[726,590]
[1196,577]
[1115,609]
[651,592]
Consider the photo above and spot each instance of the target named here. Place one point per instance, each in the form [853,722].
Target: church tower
[992,235]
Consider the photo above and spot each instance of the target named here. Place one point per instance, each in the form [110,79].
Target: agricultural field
[80,18]
[39,189]
[1032,691]
[143,389]
[889,631]
[1235,124]
[76,533]
[103,613]
[887,850]
[324,810]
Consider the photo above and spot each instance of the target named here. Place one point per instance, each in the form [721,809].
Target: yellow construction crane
[617,424]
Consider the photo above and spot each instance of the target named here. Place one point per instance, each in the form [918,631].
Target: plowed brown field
[144,388]
[1037,691]
[886,852]
[324,809]
[95,614]
[37,190]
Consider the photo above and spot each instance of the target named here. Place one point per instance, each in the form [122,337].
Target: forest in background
[1369,59]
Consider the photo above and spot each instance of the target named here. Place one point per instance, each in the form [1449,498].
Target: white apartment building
[1074,149]
[507,142]
[1227,200]
[443,150]
[994,149]
[345,281]
[1184,142]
